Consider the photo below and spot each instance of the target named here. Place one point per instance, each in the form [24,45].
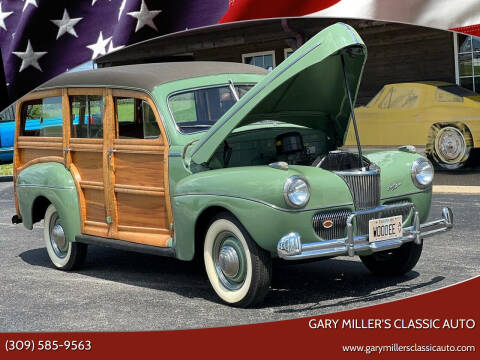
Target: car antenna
[347,87]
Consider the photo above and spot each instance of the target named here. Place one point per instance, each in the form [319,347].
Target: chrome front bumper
[290,246]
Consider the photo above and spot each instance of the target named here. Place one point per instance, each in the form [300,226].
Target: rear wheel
[238,269]
[394,262]
[451,146]
[65,255]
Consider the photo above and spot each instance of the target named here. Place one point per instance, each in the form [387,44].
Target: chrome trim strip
[174,154]
[406,194]
[47,186]
[6,150]
[250,95]
[351,32]
[266,203]
[358,172]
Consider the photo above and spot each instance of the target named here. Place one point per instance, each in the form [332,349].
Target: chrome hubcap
[451,145]
[228,261]
[57,237]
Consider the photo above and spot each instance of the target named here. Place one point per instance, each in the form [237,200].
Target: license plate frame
[385,228]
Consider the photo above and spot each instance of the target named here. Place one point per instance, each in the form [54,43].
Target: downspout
[299,38]
[352,112]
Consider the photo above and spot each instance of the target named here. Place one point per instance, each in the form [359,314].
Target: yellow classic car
[442,117]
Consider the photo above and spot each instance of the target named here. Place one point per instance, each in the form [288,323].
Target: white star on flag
[66,24]
[3,16]
[29,57]
[144,17]
[29,2]
[99,47]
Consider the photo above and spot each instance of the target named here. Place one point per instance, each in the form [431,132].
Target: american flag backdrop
[40,39]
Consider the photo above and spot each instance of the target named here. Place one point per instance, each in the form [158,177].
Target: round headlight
[422,173]
[296,191]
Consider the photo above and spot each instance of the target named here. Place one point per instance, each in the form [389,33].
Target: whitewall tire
[64,255]
[238,269]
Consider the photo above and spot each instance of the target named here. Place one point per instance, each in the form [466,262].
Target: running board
[125,245]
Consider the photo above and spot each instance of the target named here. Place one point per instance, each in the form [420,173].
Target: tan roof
[148,76]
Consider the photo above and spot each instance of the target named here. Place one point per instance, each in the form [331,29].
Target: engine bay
[292,145]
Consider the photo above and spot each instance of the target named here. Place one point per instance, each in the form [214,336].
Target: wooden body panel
[123,193]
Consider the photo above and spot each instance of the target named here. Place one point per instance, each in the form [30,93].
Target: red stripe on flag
[471,30]
[254,9]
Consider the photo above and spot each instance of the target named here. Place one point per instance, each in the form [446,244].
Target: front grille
[405,211]
[365,189]
[338,229]
[339,219]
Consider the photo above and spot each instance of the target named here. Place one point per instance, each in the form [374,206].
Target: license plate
[385,228]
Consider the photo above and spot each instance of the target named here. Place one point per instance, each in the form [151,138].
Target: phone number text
[48,345]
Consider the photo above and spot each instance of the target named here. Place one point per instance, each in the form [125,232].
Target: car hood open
[307,89]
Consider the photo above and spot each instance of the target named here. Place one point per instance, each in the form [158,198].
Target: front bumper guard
[290,246]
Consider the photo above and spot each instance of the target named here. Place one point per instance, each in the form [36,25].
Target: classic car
[439,117]
[7,131]
[221,162]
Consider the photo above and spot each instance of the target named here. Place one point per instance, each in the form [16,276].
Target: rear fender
[55,183]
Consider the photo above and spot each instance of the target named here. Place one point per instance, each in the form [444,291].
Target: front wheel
[394,262]
[65,255]
[238,269]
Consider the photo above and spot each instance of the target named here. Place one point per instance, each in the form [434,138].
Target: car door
[137,171]
[85,152]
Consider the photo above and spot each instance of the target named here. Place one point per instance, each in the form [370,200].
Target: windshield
[197,110]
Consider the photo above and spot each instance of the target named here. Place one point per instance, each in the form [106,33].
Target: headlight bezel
[414,173]
[291,180]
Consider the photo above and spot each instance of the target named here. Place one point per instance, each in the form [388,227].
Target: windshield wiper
[194,126]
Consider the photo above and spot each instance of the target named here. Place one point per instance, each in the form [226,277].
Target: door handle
[110,153]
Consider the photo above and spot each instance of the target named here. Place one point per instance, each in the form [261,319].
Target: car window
[452,93]
[401,98]
[199,109]
[375,98]
[42,117]
[87,113]
[386,101]
[136,119]
[8,114]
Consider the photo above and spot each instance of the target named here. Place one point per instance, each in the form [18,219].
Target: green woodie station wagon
[222,161]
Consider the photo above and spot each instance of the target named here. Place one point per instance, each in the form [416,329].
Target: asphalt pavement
[123,291]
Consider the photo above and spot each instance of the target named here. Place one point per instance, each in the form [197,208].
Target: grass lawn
[6,169]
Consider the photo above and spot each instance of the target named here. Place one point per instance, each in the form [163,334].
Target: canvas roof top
[148,76]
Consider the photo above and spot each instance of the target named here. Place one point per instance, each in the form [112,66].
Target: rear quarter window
[42,117]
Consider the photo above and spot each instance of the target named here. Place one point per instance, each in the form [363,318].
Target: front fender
[54,182]
[266,224]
